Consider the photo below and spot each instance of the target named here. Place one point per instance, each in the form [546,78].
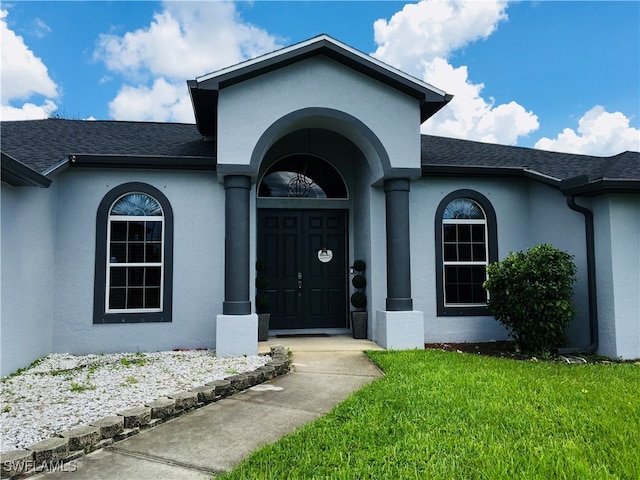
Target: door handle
[299,284]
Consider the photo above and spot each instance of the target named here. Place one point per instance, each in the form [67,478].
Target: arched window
[133,256]
[466,242]
[302,176]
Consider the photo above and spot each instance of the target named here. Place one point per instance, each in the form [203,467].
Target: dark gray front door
[306,256]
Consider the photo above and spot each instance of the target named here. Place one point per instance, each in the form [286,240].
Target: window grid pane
[135,264]
[464,253]
[463,285]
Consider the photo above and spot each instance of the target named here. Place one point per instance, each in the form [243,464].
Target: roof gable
[204,89]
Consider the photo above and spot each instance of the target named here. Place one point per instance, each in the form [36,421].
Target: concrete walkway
[216,437]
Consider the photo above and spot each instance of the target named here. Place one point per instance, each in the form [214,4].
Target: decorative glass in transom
[137,205]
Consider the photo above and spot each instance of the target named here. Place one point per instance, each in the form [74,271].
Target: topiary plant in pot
[359,317]
[262,301]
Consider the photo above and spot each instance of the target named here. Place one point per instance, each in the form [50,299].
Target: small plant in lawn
[531,294]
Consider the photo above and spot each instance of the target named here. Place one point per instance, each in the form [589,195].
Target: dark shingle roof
[438,153]
[40,144]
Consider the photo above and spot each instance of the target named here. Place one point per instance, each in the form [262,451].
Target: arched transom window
[302,176]
[135,254]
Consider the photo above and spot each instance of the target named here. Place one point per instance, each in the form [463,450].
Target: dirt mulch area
[502,349]
[507,349]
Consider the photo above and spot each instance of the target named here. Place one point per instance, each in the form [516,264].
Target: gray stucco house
[125,236]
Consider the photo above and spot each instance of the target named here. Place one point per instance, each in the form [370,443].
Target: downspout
[591,280]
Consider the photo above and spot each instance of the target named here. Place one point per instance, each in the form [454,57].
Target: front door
[306,256]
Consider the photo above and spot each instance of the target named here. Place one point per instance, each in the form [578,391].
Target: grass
[445,415]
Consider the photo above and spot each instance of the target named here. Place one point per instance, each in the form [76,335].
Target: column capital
[237,181]
[397,184]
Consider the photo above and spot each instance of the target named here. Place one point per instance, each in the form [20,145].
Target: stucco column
[236,245]
[398,249]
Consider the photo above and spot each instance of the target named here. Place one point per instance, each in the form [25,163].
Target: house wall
[553,222]
[527,213]
[247,110]
[27,266]
[197,200]
[617,240]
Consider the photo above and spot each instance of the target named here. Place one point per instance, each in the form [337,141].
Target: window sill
[480,311]
[159,317]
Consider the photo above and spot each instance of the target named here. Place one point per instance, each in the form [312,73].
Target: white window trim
[465,221]
[125,218]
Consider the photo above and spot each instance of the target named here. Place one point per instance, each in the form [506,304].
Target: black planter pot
[263,326]
[359,324]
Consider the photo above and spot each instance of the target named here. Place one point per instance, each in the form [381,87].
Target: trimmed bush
[359,282]
[359,266]
[359,300]
[531,294]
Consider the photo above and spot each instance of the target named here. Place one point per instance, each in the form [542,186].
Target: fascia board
[319,45]
[137,161]
[20,175]
[489,171]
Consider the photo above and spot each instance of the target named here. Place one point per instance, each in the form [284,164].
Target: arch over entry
[319,117]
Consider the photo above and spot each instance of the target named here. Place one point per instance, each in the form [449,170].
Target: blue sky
[555,75]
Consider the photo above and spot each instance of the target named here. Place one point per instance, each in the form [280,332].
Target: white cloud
[183,41]
[23,75]
[162,102]
[470,116]
[599,133]
[434,29]
[418,40]
[28,111]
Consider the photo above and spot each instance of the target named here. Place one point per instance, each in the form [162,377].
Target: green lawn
[462,416]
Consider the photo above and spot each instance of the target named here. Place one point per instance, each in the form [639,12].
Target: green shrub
[531,294]
[359,266]
[359,300]
[359,282]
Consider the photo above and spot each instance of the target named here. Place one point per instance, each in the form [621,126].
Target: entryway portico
[319,103]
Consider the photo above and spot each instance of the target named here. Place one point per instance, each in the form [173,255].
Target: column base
[400,330]
[236,335]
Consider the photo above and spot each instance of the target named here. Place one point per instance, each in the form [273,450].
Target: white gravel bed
[63,391]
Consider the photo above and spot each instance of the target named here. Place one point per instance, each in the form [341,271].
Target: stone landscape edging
[67,446]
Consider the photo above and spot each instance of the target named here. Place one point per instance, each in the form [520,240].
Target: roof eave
[18,174]
[138,161]
[488,171]
[430,107]
[582,186]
